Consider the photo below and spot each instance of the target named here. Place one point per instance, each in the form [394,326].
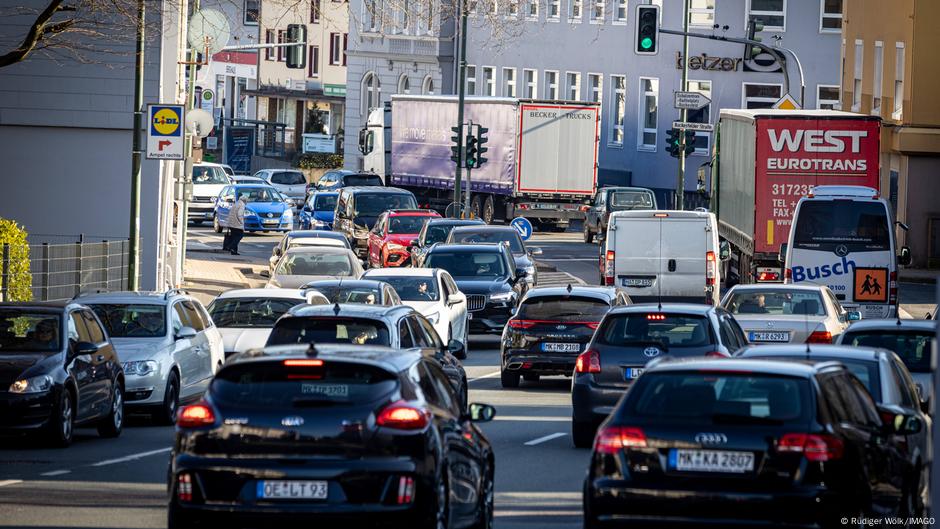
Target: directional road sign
[523,226]
[688,125]
[787,103]
[690,100]
[165,132]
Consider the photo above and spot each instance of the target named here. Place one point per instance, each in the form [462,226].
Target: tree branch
[36,32]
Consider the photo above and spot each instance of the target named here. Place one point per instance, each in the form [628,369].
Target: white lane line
[6,482]
[481,377]
[586,259]
[131,457]
[545,439]
[55,473]
[531,418]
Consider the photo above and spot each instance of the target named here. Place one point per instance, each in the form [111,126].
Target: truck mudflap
[548,210]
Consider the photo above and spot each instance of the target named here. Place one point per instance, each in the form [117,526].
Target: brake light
[523,206]
[609,268]
[711,268]
[195,416]
[184,487]
[656,317]
[716,354]
[406,490]
[593,325]
[303,363]
[788,274]
[768,276]
[660,215]
[521,324]
[613,439]
[584,208]
[815,447]
[588,362]
[820,337]
[402,416]
[893,288]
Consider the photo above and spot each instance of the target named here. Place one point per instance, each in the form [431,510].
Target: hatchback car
[366,290]
[746,443]
[354,436]
[168,344]
[317,213]
[357,209]
[551,327]
[521,254]
[630,337]
[775,313]
[334,180]
[302,265]
[290,182]
[390,239]
[434,231]
[58,370]
[266,209]
[305,238]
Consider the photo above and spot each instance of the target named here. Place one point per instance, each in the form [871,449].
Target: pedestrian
[236,223]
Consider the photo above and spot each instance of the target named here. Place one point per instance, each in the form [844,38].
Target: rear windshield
[491,236]
[132,321]
[312,264]
[912,346]
[288,178]
[776,301]
[668,331]
[324,203]
[362,180]
[627,200]
[563,308]
[411,288]
[469,265]
[320,329]
[406,223]
[437,233]
[824,224]
[24,331]
[249,312]
[720,398]
[274,384]
[373,204]
[347,294]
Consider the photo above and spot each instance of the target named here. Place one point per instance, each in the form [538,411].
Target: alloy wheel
[65,416]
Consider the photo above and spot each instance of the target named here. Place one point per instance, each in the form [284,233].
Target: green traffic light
[646,43]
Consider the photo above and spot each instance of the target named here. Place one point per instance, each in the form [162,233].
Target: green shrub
[320,160]
[19,281]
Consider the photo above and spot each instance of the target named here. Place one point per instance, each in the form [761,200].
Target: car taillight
[584,208]
[588,362]
[613,439]
[788,274]
[815,447]
[593,324]
[402,416]
[406,490]
[768,276]
[711,268]
[716,354]
[184,487]
[195,416]
[609,268]
[820,337]
[521,324]
[893,288]
[523,206]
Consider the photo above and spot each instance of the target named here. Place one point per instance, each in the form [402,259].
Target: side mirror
[724,251]
[481,412]
[904,258]
[277,251]
[853,315]
[898,423]
[307,208]
[535,251]
[185,333]
[521,273]
[85,348]
[266,273]
[455,348]
[413,244]
[782,256]
[453,299]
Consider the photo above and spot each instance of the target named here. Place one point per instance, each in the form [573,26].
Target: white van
[208,181]
[669,256]
[843,237]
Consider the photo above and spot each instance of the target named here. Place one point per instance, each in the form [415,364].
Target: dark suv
[58,370]
[610,199]
[357,209]
[433,232]
[334,180]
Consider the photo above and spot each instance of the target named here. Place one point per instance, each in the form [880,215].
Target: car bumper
[200,211]
[490,319]
[590,402]
[19,413]
[255,224]
[539,363]
[144,391]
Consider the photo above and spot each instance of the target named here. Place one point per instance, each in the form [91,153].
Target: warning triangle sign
[787,103]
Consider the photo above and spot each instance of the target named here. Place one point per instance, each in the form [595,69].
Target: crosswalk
[557,279]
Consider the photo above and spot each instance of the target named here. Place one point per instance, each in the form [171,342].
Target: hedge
[19,281]
[320,160]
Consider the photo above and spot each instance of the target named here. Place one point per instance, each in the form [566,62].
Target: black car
[58,370]
[366,436]
[336,179]
[521,254]
[891,386]
[486,273]
[398,327]
[746,443]
[433,232]
[551,327]
[627,339]
[357,209]
[366,291]
[610,199]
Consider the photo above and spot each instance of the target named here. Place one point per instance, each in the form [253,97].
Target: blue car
[267,209]
[317,213]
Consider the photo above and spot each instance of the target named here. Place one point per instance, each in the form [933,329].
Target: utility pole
[133,261]
[188,146]
[680,184]
[461,95]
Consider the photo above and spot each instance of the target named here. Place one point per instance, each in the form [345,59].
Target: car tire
[582,434]
[588,235]
[177,519]
[475,207]
[489,210]
[439,512]
[171,401]
[215,224]
[590,520]
[531,378]
[61,428]
[113,423]
[485,508]
[509,379]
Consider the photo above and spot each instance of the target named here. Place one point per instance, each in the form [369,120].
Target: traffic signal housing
[481,141]
[672,142]
[647,29]
[754,26]
[471,152]
[297,53]
[689,142]
[457,146]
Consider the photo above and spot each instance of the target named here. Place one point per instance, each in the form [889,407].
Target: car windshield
[469,265]
[720,398]
[406,223]
[669,331]
[511,236]
[563,308]
[347,294]
[132,321]
[362,180]
[914,347]
[325,203]
[259,194]
[626,200]
[320,329]
[249,312]
[314,264]
[208,175]
[824,224]
[412,288]
[29,332]
[373,204]
[776,301]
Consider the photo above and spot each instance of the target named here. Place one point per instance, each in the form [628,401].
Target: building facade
[883,49]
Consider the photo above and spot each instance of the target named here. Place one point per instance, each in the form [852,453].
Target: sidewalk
[207,275]
[918,275]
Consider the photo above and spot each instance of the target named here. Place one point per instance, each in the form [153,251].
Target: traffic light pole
[133,261]
[680,183]
[470,132]
[461,95]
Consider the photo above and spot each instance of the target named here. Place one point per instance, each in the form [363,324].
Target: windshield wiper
[732,418]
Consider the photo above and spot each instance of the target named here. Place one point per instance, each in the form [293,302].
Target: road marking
[545,439]
[569,259]
[481,377]
[6,482]
[530,418]
[131,457]
[55,473]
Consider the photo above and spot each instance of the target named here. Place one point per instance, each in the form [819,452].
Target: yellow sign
[871,285]
[787,103]
[166,122]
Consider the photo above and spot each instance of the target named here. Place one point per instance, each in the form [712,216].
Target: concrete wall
[922,205]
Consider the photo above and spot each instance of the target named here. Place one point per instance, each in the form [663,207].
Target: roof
[414,212]
[45,305]
[893,325]
[456,222]
[794,114]
[660,213]
[141,297]
[274,293]
[351,283]
[253,186]
[314,233]
[483,228]
[767,367]
[318,250]
[762,287]
[672,308]
[377,189]
[576,290]
[401,272]
[384,357]
[349,310]
[319,193]
[463,247]
[799,351]
[625,188]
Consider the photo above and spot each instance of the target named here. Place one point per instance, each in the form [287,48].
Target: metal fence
[62,271]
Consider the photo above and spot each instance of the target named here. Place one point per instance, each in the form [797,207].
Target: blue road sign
[523,226]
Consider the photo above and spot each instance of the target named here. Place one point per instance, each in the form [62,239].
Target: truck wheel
[588,236]
[475,207]
[489,210]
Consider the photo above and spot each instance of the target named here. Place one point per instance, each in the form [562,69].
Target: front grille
[476,302]
[202,199]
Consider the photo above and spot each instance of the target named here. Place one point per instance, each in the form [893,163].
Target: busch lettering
[815,140]
[800,273]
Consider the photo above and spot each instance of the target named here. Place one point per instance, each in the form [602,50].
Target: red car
[391,237]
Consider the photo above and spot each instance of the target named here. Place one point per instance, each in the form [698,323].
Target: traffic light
[647,29]
[481,140]
[297,54]
[754,26]
[471,159]
[689,142]
[456,147]
[672,142]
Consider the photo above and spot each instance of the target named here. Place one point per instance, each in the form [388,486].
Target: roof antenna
[336,309]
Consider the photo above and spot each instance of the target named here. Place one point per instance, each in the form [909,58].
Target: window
[898,81]
[95,333]
[702,13]
[315,11]
[757,95]
[830,18]
[428,17]
[597,11]
[513,8]
[574,11]
[489,81]
[269,39]
[533,12]
[251,12]
[509,82]
[371,93]
[345,43]
[596,87]
[649,106]
[857,84]
[336,48]
[404,17]
[405,340]
[573,80]
[702,115]
[620,16]
[370,15]
[471,80]
[618,85]
[404,85]
[772,13]
[827,97]
[531,90]
[878,77]
[427,88]
[554,10]
[281,56]
[492,7]
[551,85]
[313,62]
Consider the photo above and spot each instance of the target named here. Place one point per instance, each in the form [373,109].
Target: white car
[245,317]
[289,182]
[433,293]
[208,181]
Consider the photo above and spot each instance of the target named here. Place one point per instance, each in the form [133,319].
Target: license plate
[561,347]
[637,282]
[208,214]
[766,336]
[292,490]
[268,222]
[327,390]
[632,373]
[544,206]
[711,461]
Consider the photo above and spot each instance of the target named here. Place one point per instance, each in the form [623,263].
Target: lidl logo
[165,121]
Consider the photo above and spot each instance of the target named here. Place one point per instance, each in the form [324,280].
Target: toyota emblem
[561,327]
[711,438]
[842,250]
[651,351]
[292,421]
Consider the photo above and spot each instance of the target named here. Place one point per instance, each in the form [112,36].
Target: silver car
[304,264]
[774,313]
[290,182]
[167,343]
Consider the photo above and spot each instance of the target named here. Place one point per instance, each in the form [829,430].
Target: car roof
[739,365]
[253,186]
[376,189]
[483,227]
[138,297]
[808,351]
[467,247]
[314,233]
[38,305]
[776,286]
[350,310]
[351,283]
[413,213]
[396,360]
[625,188]
[893,325]
[318,249]
[675,308]
[402,272]
[274,293]
[456,222]
[324,193]
[583,291]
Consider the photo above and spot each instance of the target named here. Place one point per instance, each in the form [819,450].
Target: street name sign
[688,125]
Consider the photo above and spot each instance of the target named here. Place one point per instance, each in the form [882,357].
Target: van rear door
[684,242]
[636,254]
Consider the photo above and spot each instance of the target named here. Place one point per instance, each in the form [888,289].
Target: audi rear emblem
[711,438]
[292,421]
[651,352]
